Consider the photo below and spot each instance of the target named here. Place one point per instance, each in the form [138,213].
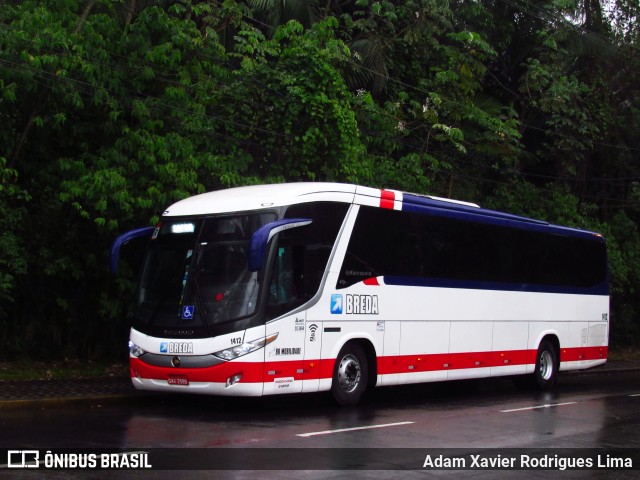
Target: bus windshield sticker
[187,312]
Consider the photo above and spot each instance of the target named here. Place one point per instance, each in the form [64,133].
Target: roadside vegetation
[110,110]
[21,370]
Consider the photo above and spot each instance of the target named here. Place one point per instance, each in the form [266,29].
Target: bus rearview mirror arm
[114,252]
[261,237]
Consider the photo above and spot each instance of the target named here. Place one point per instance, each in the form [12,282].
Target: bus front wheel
[350,375]
[546,371]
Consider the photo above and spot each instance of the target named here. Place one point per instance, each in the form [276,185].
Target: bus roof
[256,197]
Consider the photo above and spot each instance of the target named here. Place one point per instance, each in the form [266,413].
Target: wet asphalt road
[584,411]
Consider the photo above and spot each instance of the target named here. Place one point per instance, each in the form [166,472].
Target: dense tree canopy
[112,109]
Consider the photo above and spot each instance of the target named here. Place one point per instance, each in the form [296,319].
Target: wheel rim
[349,373]
[546,365]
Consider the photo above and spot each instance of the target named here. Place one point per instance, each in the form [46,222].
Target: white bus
[308,287]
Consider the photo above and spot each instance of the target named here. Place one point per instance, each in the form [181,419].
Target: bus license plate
[177,380]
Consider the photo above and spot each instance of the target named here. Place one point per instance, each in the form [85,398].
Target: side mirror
[114,253]
[261,237]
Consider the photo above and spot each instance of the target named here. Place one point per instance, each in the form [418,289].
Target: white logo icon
[23,459]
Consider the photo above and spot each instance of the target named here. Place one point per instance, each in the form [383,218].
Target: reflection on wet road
[584,411]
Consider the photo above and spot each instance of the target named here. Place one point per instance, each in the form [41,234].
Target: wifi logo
[312,328]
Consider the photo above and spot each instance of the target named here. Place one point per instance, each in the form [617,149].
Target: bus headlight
[135,350]
[247,347]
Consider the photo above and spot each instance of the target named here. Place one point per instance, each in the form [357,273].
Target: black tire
[546,372]
[350,375]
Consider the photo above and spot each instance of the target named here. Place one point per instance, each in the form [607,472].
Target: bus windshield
[195,274]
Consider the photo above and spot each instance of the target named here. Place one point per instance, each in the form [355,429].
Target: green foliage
[109,113]
[12,256]
[295,115]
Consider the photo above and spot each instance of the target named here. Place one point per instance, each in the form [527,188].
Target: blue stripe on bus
[600,289]
[416,204]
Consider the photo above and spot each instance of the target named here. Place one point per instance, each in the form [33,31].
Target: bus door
[283,365]
[283,369]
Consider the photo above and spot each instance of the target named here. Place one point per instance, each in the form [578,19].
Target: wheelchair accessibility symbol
[187,312]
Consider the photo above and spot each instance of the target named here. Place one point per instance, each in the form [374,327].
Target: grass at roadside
[625,353]
[60,370]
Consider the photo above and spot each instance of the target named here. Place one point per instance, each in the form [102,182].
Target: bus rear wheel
[350,375]
[546,372]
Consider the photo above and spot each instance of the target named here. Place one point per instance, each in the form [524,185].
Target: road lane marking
[537,407]
[353,429]
[635,395]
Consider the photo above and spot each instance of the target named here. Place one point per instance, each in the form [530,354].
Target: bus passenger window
[281,290]
[286,287]
[302,255]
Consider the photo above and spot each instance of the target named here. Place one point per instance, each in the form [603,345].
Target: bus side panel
[579,335]
[474,339]
[598,342]
[424,348]
[424,333]
[283,358]
[509,336]
[598,334]
[391,351]
[591,349]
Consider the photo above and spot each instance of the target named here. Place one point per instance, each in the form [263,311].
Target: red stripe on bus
[252,372]
[459,361]
[387,199]
[256,372]
[371,281]
[454,361]
[583,353]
